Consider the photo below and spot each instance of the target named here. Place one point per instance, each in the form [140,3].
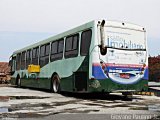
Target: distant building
[4,72]
[154,68]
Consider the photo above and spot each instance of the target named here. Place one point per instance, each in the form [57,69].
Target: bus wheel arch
[55,83]
[18,81]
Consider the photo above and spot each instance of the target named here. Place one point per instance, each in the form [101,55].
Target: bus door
[81,81]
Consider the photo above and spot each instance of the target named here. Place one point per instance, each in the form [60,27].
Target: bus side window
[18,61]
[12,64]
[57,50]
[44,54]
[28,58]
[47,51]
[71,47]
[35,54]
[85,42]
[23,60]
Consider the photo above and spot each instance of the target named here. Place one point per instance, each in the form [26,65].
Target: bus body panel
[125,65]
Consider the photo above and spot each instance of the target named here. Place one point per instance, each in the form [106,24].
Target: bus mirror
[103,50]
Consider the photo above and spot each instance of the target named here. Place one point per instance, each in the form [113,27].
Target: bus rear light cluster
[103,65]
[142,69]
[146,85]
[144,65]
[92,78]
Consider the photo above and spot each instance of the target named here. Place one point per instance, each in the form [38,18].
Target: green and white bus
[99,56]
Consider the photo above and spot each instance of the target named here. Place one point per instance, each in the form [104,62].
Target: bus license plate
[125,76]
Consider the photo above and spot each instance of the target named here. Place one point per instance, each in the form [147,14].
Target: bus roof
[124,25]
[80,28]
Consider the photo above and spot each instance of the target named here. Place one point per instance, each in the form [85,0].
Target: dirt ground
[29,103]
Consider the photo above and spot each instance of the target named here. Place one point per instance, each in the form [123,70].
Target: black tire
[55,84]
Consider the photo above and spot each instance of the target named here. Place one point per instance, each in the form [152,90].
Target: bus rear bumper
[109,86]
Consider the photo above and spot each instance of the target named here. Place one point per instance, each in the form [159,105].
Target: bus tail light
[144,65]
[146,85]
[102,65]
[92,78]
[142,69]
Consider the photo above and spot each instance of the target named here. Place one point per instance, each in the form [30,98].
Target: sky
[24,22]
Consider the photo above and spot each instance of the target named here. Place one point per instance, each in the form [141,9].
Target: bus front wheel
[55,84]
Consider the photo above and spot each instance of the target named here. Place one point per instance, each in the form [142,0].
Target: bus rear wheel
[55,84]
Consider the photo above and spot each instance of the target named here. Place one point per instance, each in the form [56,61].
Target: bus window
[47,49]
[71,49]
[12,64]
[42,51]
[35,54]
[75,43]
[23,60]
[85,42]
[44,54]
[28,58]
[57,50]
[54,47]
[18,60]
[68,43]
[60,46]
